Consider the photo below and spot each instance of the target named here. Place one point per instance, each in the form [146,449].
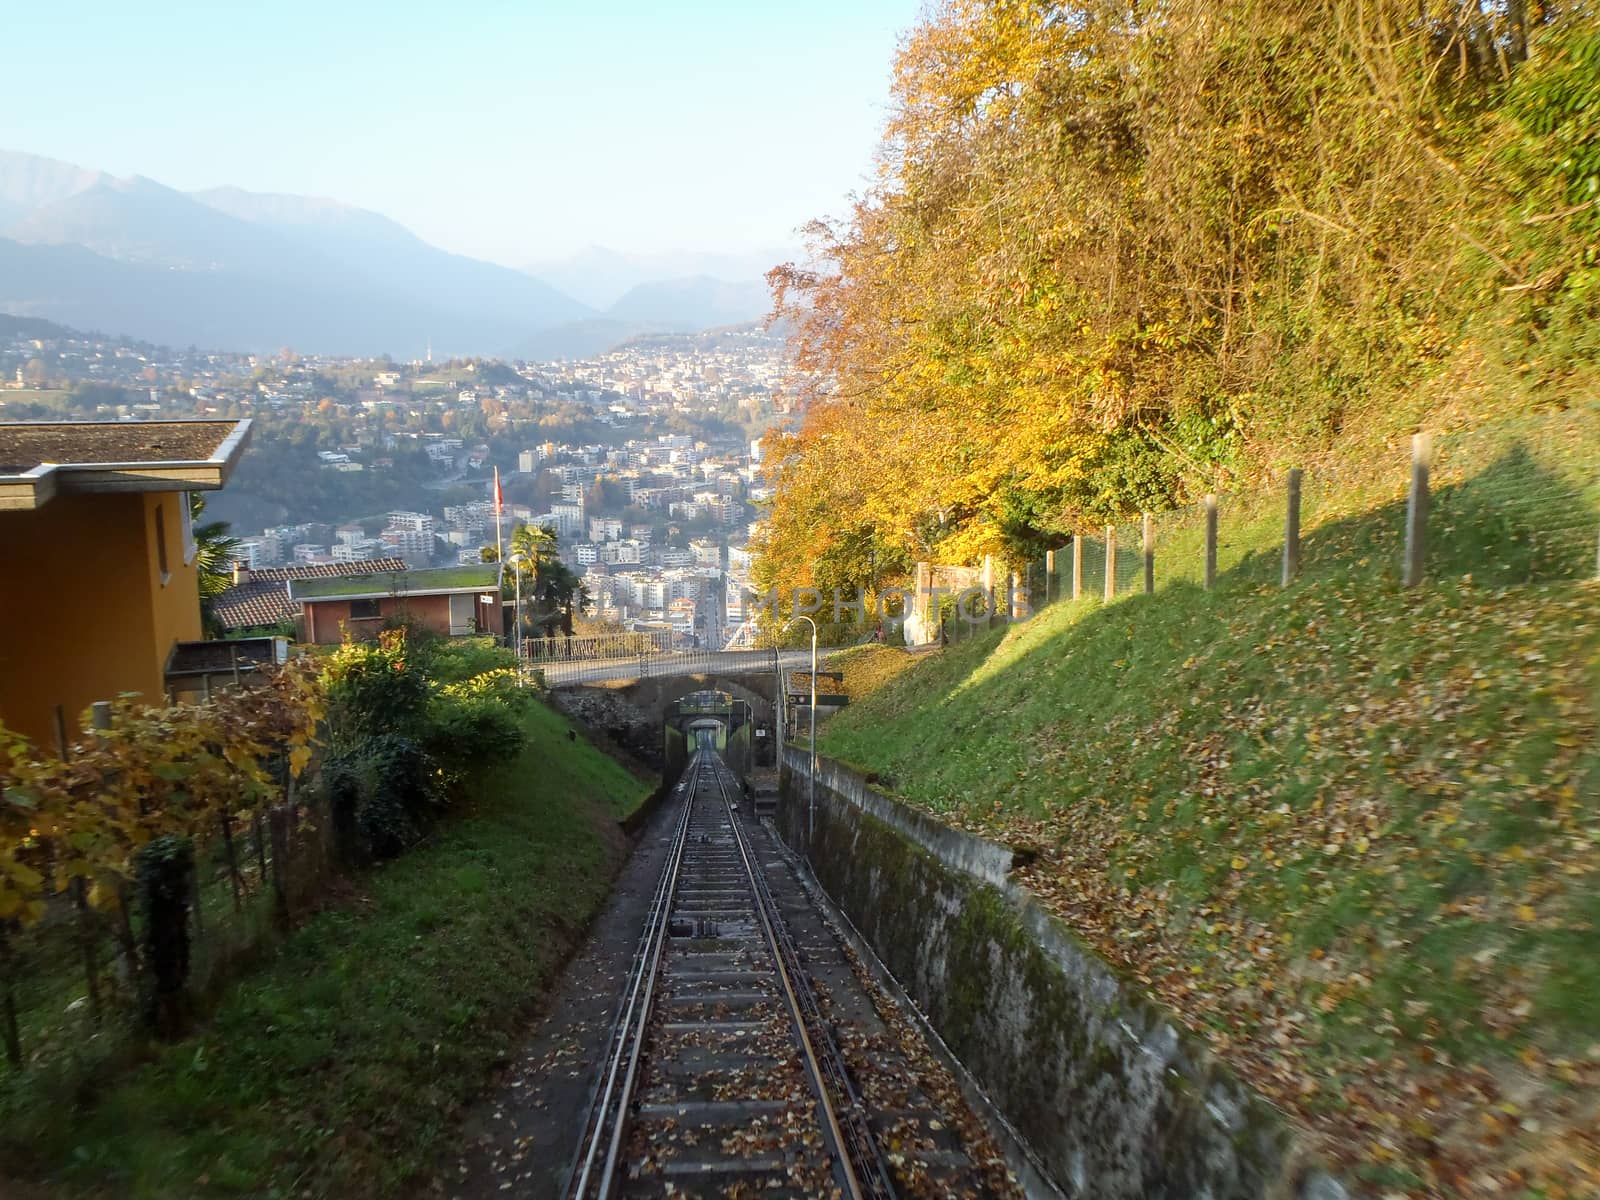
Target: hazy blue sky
[509,130]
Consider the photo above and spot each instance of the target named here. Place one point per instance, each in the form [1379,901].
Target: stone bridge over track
[564,671]
[633,704]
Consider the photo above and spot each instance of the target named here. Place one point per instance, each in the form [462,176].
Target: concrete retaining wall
[1114,1100]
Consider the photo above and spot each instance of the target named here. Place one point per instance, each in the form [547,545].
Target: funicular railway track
[722,1075]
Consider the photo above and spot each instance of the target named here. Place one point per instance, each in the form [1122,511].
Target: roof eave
[193,475]
[396,595]
[31,489]
[40,484]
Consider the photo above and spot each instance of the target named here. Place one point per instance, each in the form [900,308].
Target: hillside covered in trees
[1117,256]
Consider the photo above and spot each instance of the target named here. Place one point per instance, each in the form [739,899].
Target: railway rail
[722,1075]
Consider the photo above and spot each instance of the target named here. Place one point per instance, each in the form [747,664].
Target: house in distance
[451,601]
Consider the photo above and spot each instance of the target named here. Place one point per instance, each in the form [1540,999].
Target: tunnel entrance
[709,719]
[633,714]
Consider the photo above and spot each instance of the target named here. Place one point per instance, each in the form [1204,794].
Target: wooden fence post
[1417,511]
[1077,566]
[85,930]
[194,904]
[8,1000]
[278,830]
[259,827]
[233,861]
[1291,530]
[1111,563]
[1211,542]
[988,589]
[1149,557]
[1049,572]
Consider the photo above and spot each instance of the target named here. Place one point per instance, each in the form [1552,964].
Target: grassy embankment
[1348,832]
[337,1068]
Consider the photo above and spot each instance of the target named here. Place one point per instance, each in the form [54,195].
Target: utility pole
[517,560]
[811,802]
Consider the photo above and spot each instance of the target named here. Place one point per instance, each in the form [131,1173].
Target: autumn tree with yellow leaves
[1118,255]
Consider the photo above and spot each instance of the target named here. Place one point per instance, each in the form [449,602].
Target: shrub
[381,793]
[341,786]
[409,720]
[463,659]
[375,689]
[469,732]
[164,872]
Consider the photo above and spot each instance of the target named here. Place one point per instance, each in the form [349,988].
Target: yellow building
[98,581]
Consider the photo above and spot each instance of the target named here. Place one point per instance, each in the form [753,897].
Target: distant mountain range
[601,278]
[667,306]
[236,270]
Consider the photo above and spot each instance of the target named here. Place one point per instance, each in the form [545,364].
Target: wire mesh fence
[1518,509]
[81,970]
[1510,503]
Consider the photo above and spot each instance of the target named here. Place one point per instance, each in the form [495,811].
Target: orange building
[98,582]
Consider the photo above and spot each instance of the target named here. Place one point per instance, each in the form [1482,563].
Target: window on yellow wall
[161,546]
[186,511]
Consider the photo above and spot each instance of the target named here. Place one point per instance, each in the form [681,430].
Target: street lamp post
[811,802]
[516,561]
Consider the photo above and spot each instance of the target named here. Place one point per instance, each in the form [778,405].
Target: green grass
[1346,829]
[338,1067]
[389,583]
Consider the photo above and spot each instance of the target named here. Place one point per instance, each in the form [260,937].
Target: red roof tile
[264,599]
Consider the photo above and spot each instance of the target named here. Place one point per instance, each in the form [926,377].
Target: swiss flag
[499,498]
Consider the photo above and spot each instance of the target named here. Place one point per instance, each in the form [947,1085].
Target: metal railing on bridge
[607,658]
[596,647]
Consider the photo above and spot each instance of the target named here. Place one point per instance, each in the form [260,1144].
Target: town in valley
[644,461]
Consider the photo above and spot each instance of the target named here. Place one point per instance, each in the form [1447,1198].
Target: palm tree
[537,544]
[215,548]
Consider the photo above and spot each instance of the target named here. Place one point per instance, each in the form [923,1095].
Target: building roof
[263,600]
[375,585]
[325,570]
[39,461]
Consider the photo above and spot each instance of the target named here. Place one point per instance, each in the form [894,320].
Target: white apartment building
[420,522]
[681,614]
[409,543]
[358,550]
[469,518]
[567,516]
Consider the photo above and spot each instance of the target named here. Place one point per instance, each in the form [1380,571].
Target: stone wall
[1114,1100]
